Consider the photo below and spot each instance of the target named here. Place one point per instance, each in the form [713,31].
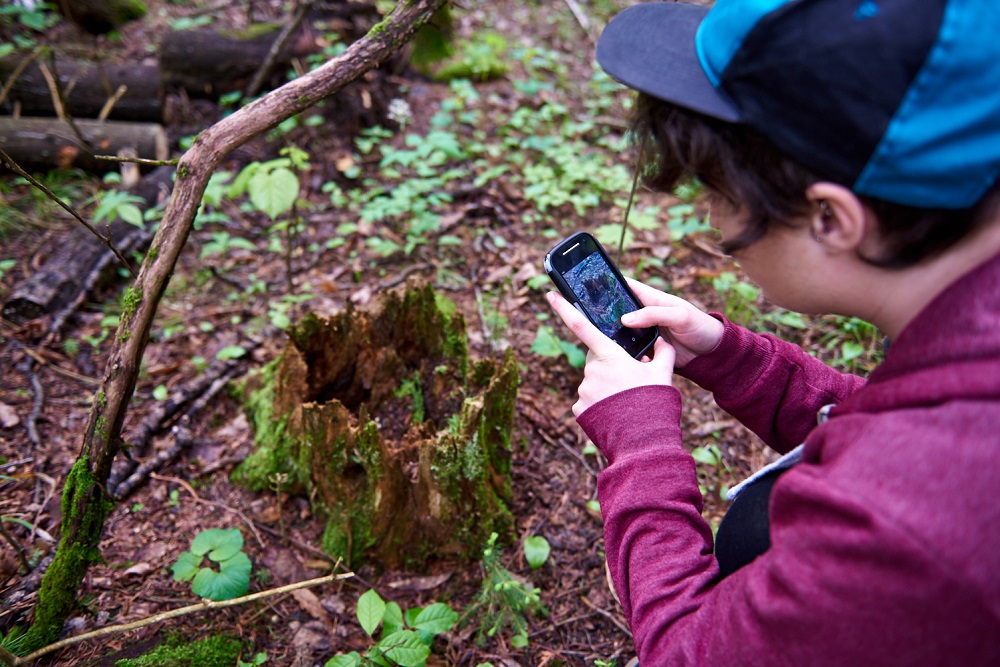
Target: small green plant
[503,600]
[405,638]
[258,660]
[536,551]
[548,344]
[856,344]
[25,19]
[224,548]
[711,466]
[115,204]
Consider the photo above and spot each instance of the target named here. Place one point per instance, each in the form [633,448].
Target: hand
[610,369]
[689,330]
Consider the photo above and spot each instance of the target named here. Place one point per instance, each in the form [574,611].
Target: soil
[47,387]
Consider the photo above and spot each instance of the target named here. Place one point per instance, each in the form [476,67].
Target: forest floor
[467,185]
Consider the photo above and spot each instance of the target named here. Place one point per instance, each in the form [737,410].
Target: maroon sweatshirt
[885,540]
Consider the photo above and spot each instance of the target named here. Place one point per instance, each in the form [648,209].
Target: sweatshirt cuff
[633,420]
[731,363]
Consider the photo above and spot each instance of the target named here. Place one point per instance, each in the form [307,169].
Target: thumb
[664,357]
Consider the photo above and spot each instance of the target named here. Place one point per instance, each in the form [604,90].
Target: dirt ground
[47,387]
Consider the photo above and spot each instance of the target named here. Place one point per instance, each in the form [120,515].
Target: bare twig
[111,102]
[138,160]
[16,168]
[21,66]
[204,605]
[580,17]
[278,46]
[17,547]
[59,99]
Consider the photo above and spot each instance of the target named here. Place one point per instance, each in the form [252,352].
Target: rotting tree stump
[378,417]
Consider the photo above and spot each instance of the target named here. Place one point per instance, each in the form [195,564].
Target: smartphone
[587,277]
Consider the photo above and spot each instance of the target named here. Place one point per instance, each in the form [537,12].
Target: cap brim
[651,47]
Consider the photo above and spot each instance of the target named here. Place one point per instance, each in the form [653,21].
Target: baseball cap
[896,99]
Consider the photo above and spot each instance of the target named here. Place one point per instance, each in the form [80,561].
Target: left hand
[610,369]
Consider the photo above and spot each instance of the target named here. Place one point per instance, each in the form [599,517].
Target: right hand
[689,330]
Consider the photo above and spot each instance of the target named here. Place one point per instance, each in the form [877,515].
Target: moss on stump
[378,417]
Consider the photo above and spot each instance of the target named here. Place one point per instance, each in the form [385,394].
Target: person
[850,151]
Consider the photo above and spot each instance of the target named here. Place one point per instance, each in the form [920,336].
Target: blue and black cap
[896,99]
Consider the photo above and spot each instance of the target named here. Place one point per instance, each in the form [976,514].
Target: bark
[78,261]
[87,88]
[44,143]
[85,487]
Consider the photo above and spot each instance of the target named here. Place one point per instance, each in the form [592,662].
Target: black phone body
[586,276]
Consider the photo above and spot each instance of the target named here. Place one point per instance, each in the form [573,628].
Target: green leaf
[231,581]
[230,352]
[705,455]
[131,214]
[274,192]
[850,350]
[546,342]
[371,609]
[519,640]
[352,659]
[435,619]
[218,543]
[186,566]
[577,357]
[160,393]
[392,619]
[536,551]
[411,615]
[406,648]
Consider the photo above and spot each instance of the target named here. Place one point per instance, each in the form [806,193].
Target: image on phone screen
[601,294]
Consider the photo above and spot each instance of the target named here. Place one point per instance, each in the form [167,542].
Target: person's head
[895,100]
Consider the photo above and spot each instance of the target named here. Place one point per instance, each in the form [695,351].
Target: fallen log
[100,16]
[44,143]
[209,63]
[87,89]
[78,261]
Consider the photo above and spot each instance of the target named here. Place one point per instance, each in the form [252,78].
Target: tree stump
[402,446]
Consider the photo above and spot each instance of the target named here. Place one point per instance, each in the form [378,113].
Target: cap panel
[942,148]
[801,80]
[722,32]
[650,47]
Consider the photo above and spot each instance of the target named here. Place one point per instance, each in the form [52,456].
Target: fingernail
[628,318]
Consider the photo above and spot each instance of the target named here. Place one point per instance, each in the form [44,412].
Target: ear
[840,219]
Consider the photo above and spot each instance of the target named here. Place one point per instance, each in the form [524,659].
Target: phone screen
[602,296]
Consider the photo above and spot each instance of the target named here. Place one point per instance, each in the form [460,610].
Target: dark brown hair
[742,166]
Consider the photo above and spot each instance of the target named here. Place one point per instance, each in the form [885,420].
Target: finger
[578,323]
[650,296]
[664,357]
[671,317]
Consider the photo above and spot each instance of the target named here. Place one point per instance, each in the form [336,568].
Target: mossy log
[379,418]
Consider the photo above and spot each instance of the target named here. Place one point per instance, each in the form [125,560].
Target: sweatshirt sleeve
[841,585]
[773,387]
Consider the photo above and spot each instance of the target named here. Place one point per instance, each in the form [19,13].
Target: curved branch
[84,499]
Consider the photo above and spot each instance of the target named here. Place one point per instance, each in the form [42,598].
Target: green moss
[217,651]
[182,171]
[131,299]
[275,452]
[85,506]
